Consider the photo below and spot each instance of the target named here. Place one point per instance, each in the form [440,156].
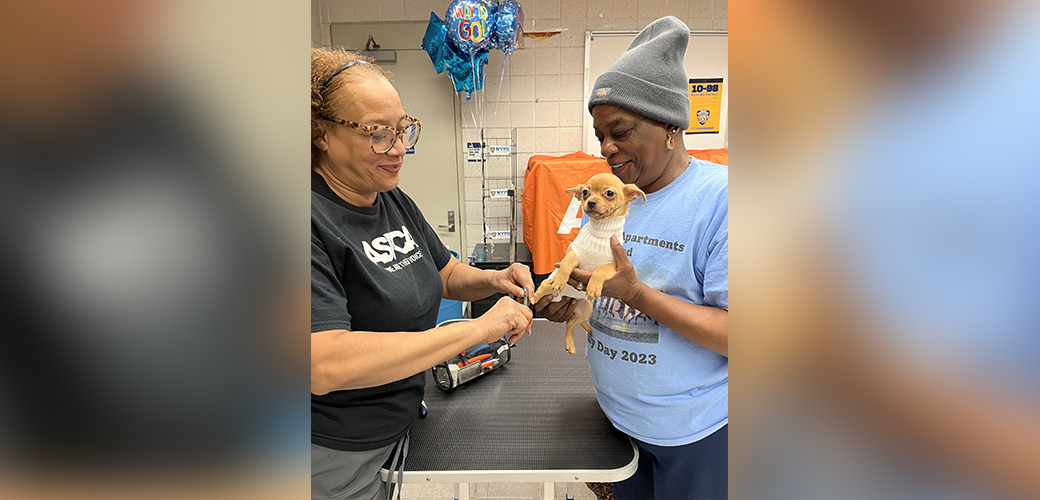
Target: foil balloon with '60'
[468,22]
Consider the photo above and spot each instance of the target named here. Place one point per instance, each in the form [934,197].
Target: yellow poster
[705,105]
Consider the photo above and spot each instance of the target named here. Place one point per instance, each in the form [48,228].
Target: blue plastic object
[450,309]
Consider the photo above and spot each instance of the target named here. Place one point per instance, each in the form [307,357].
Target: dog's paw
[594,290]
[556,284]
[570,346]
[538,294]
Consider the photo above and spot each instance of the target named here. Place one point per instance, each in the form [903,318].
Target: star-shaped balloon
[446,57]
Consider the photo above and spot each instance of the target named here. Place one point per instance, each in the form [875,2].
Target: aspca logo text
[387,247]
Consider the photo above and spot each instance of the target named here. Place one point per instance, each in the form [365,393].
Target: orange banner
[720,156]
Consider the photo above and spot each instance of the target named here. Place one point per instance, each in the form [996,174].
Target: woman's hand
[506,317]
[468,283]
[513,280]
[557,312]
[625,285]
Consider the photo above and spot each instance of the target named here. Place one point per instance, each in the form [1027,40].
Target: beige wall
[540,90]
[319,24]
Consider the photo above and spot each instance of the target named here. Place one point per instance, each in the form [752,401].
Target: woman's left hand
[625,285]
[513,280]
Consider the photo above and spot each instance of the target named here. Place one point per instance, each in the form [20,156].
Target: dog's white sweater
[593,242]
[592,245]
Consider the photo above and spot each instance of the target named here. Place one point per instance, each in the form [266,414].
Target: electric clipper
[475,361]
[471,364]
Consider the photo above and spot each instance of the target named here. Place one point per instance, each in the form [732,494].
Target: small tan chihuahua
[605,199]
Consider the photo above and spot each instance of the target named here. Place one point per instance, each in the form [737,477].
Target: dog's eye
[584,193]
[609,193]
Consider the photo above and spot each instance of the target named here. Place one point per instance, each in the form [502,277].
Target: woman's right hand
[506,317]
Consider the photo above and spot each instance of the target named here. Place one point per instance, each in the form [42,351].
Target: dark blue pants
[697,470]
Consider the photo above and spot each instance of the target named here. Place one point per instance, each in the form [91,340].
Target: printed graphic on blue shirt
[616,319]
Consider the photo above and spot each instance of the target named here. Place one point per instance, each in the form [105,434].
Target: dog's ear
[575,189]
[632,192]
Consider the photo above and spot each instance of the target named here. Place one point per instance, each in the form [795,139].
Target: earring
[670,143]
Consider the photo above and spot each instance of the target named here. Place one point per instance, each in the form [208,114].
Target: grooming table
[535,419]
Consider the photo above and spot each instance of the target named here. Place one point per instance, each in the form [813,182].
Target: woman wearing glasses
[378,273]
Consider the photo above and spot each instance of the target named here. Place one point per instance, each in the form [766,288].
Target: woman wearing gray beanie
[660,342]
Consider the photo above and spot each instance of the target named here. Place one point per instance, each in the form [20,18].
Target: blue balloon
[465,77]
[468,22]
[435,43]
[492,5]
[445,57]
[508,31]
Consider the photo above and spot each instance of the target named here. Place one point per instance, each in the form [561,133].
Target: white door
[430,175]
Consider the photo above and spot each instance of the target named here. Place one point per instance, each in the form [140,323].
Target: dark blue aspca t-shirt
[372,269]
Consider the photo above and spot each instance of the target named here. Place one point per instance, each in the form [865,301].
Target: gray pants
[342,475]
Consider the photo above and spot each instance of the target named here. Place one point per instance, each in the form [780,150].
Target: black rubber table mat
[537,412]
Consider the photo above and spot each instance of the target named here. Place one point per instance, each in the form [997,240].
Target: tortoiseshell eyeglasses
[383,138]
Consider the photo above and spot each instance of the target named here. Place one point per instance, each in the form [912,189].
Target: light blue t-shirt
[652,383]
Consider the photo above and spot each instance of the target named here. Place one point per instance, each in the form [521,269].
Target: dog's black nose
[591,203]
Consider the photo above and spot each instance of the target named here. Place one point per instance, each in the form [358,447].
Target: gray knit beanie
[649,78]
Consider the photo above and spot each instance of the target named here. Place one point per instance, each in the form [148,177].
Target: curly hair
[325,62]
